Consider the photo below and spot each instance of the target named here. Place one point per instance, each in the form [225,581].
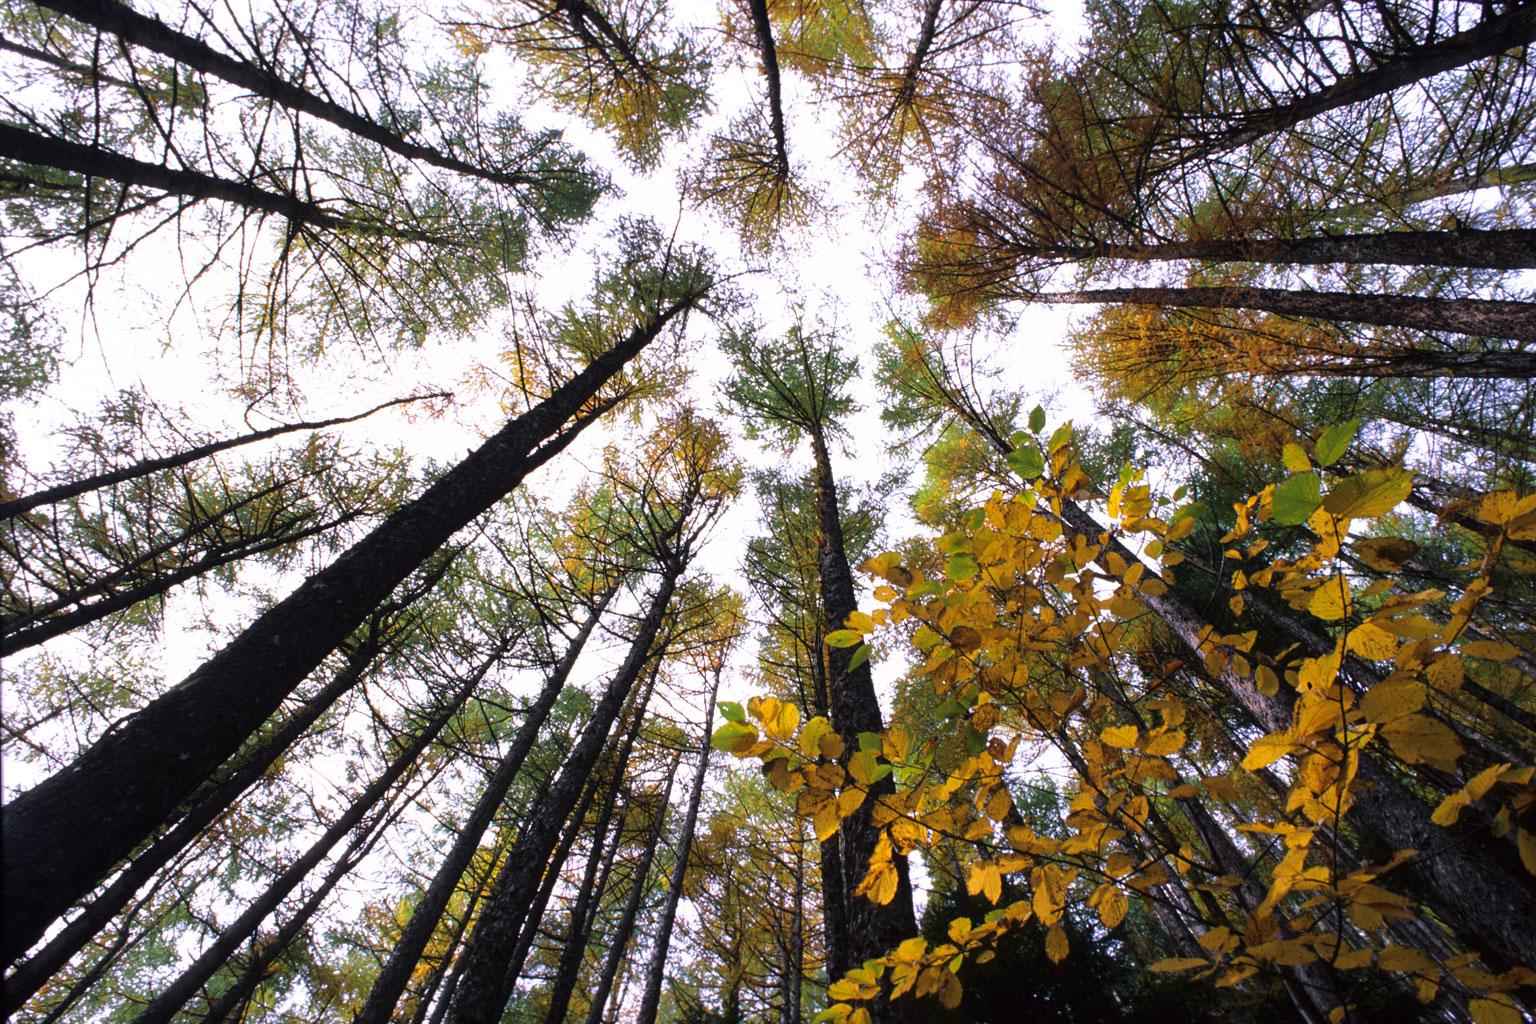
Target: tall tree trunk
[30,976]
[170,1000]
[632,901]
[656,969]
[1505,249]
[762,29]
[94,162]
[1490,318]
[153,34]
[121,789]
[485,985]
[594,881]
[75,488]
[873,929]
[1495,34]
[397,971]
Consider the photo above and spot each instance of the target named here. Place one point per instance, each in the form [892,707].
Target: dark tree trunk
[594,880]
[631,911]
[153,34]
[121,790]
[75,488]
[30,976]
[762,29]
[485,985]
[656,969]
[1490,37]
[397,971]
[1489,318]
[94,162]
[1508,249]
[873,929]
[171,999]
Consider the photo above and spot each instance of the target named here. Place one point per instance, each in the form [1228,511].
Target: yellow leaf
[1176,963]
[1405,959]
[860,621]
[1112,908]
[1165,743]
[1526,841]
[1493,650]
[1494,1011]
[1330,602]
[1294,457]
[1372,493]
[1371,641]
[1386,554]
[1266,750]
[825,822]
[810,736]
[1497,508]
[1420,740]
[1056,946]
[1121,736]
[1391,699]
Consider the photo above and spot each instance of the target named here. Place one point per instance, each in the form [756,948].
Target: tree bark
[631,911]
[1504,249]
[170,1000]
[873,929]
[1491,318]
[656,969]
[397,971]
[94,162]
[120,790]
[762,29]
[1488,38]
[30,976]
[75,488]
[485,984]
[153,34]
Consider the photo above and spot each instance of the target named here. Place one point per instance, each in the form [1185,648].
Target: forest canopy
[780,510]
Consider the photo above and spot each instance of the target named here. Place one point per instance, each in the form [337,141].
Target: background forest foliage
[649,697]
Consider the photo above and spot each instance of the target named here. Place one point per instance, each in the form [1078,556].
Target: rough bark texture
[762,29]
[1511,249]
[75,488]
[173,996]
[486,984]
[153,34]
[121,789]
[873,930]
[30,976]
[632,901]
[1488,38]
[397,971]
[1489,318]
[656,969]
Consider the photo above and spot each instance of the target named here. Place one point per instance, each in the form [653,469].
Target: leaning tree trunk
[171,999]
[1490,318]
[153,34]
[1509,249]
[122,789]
[873,929]
[485,984]
[656,969]
[632,902]
[594,880]
[397,971]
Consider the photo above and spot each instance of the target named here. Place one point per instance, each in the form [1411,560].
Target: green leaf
[732,711]
[961,567]
[1295,458]
[1372,493]
[1335,442]
[871,741]
[1036,420]
[728,735]
[844,638]
[1026,460]
[1062,435]
[860,656]
[1297,498]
